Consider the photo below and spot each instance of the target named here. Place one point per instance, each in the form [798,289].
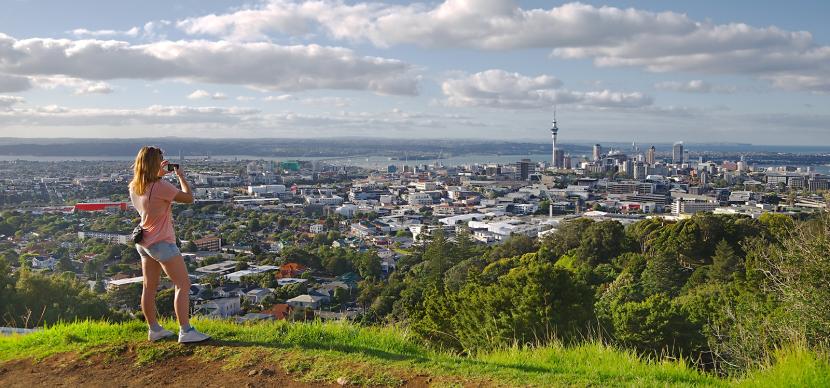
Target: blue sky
[650,71]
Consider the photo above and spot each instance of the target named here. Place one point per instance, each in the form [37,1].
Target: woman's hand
[180,172]
[163,169]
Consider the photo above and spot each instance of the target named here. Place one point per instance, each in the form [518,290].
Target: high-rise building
[559,157]
[597,152]
[650,157]
[639,171]
[524,169]
[677,153]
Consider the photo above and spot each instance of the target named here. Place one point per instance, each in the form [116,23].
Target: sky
[647,71]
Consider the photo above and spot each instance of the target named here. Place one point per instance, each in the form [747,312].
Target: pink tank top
[156,212]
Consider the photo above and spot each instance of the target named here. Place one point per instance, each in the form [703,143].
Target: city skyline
[490,70]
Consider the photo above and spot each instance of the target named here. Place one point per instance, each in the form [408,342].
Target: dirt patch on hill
[201,366]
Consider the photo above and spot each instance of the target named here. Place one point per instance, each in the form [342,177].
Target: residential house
[227,291]
[291,270]
[220,308]
[42,262]
[279,311]
[306,301]
[257,295]
[253,317]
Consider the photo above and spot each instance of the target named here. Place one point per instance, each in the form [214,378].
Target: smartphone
[172,167]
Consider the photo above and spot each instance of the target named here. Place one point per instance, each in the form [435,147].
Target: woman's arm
[186,195]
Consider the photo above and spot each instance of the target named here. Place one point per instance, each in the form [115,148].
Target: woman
[153,197]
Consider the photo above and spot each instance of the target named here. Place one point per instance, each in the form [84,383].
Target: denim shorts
[160,251]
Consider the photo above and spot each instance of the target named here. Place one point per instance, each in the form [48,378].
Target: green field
[324,352]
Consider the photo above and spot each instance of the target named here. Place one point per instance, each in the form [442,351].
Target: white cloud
[203,94]
[79,86]
[338,102]
[217,121]
[694,86]
[260,65]
[500,89]
[53,115]
[7,101]
[282,97]
[83,32]
[656,41]
[13,83]
[95,88]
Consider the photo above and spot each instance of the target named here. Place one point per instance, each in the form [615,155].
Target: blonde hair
[146,168]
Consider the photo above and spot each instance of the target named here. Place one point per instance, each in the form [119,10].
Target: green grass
[793,367]
[386,356]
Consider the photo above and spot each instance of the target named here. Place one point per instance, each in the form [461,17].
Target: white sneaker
[192,335]
[154,336]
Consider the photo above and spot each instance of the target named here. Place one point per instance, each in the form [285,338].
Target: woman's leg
[152,273]
[177,272]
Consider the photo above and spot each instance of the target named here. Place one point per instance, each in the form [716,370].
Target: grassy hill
[313,354]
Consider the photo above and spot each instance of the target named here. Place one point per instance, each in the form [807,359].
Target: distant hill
[414,149]
[337,147]
[317,354]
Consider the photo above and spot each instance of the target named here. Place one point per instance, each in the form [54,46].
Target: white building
[220,308]
[316,228]
[425,186]
[461,218]
[419,199]
[347,210]
[305,300]
[252,270]
[525,208]
[41,262]
[266,189]
[332,200]
[220,268]
[489,231]
[691,206]
[114,284]
[112,238]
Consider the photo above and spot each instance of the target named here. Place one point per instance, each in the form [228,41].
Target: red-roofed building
[291,270]
[102,206]
[279,311]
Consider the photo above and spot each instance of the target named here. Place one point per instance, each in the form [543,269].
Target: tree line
[720,291]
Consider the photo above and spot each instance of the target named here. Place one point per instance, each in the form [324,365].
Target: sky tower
[553,131]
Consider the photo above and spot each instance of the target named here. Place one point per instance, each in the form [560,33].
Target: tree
[438,256]
[663,275]
[64,264]
[42,299]
[567,237]
[515,245]
[190,247]
[127,296]
[530,303]
[797,270]
[724,262]
[601,242]
[99,287]
[164,302]
[654,325]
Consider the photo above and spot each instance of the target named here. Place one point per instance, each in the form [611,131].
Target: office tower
[524,169]
[677,153]
[639,171]
[597,152]
[650,157]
